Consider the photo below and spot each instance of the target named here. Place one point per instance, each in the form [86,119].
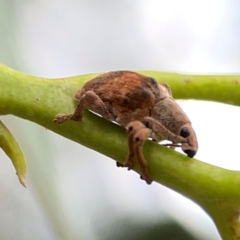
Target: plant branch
[218,88]
[215,189]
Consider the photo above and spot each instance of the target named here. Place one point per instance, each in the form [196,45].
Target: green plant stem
[215,189]
[218,88]
[12,149]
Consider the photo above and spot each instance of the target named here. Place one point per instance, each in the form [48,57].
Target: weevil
[146,108]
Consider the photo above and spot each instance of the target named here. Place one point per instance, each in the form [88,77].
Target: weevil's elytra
[131,99]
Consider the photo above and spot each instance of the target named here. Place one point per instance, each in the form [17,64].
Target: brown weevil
[146,108]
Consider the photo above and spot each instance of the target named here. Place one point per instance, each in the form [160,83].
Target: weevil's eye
[184,132]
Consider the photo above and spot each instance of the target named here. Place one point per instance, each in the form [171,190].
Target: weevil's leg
[129,163]
[61,118]
[139,138]
[162,131]
[89,100]
[131,128]
[171,145]
[174,145]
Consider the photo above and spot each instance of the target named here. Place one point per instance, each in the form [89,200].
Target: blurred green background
[82,194]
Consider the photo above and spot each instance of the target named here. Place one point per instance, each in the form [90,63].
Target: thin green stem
[12,149]
[215,189]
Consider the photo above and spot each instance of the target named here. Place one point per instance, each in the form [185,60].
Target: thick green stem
[215,189]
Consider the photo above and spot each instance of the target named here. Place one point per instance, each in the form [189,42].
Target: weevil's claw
[147,180]
[119,164]
[128,165]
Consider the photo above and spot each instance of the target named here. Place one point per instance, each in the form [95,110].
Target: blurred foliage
[8,39]
[134,229]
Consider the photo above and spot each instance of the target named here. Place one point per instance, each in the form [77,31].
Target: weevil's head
[171,115]
[191,146]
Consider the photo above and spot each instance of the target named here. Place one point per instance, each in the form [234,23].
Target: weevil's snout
[191,147]
[190,153]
